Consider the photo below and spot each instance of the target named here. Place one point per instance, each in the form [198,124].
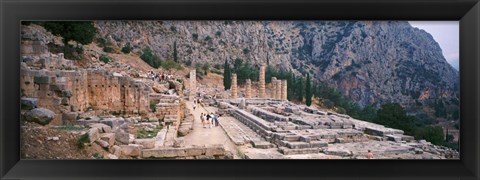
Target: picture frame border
[13,12]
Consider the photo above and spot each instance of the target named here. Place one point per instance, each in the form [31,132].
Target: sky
[447,35]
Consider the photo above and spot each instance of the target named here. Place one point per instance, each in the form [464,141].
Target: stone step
[288,151]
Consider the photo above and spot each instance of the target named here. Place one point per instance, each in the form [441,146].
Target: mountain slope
[372,62]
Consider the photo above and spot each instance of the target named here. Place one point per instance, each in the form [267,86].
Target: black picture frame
[13,11]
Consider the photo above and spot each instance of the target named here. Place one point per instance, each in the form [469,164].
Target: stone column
[279,89]
[248,89]
[262,80]
[273,86]
[193,84]
[234,86]
[284,90]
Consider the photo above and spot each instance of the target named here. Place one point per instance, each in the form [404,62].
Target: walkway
[207,136]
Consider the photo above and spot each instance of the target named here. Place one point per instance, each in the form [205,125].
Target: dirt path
[207,136]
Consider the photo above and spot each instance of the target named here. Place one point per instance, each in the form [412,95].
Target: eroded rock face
[40,115]
[369,61]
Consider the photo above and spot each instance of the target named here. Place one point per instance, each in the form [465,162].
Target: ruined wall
[67,91]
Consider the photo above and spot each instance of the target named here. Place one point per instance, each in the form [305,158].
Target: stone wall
[190,152]
[68,91]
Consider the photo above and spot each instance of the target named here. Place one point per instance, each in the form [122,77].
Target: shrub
[195,36]
[153,106]
[341,110]
[104,59]
[246,51]
[170,65]
[101,42]
[97,156]
[208,38]
[173,29]
[218,33]
[328,104]
[150,58]
[108,49]
[82,140]
[127,48]
[188,62]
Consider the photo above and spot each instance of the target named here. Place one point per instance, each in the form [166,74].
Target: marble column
[262,81]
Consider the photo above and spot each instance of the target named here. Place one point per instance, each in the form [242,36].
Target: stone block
[29,103]
[214,150]
[69,116]
[262,144]
[102,128]
[407,138]
[109,138]
[132,150]
[394,138]
[298,145]
[164,153]
[41,116]
[318,144]
[93,135]
[41,79]
[102,143]
[338,152]
[146,143]
[121,137]
[195,151]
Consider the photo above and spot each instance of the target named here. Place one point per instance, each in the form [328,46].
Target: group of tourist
[209,120]
[159,77]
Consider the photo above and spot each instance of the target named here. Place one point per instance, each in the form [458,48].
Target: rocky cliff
[373,62]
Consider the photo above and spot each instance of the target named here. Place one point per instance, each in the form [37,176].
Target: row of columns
[279,87]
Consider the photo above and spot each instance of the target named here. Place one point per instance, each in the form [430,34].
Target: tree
[227,82]
[150,58]
[308,91]
[79,31]
[393,115]
[431,134]
[175,55]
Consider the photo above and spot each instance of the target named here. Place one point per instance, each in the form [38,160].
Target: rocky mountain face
[372,62]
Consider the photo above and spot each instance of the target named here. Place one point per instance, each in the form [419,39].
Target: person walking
[202,119]
[215,117]
[209,121]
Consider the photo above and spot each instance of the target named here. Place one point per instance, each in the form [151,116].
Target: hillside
[373,63]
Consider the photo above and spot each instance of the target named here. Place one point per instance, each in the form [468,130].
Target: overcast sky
[446,33]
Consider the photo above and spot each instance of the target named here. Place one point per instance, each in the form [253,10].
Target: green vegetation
[175,53]
[393,115]
[108,49]
[308,91]
[206,68]
[127,48]
[104,59]
[82,140]
[153,106]
[173,29]
[82,32]
[218,33]
[208,38]
[150,58]
[97,156]
[142,134]
[195,36]
[170,64]
[246,51]
[227,82]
